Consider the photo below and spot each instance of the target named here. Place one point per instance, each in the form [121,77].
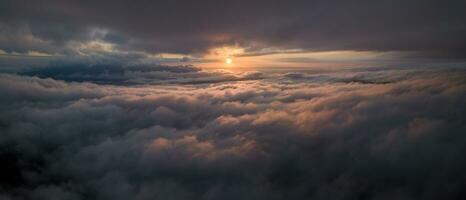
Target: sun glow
[228,61]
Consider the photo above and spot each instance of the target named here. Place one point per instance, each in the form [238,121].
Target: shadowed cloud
[286,136]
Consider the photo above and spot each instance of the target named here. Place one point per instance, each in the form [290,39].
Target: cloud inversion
[341,135]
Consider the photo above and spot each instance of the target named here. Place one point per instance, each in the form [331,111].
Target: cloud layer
[141,75]
[434,28]
[363,134]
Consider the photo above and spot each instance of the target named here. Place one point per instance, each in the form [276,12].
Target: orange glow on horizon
[223,58]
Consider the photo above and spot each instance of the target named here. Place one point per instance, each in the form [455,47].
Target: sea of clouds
[187,133]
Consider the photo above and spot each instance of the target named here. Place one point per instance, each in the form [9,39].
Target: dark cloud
[90,110]
[140,75]
[110,74]
[431,28]
[287,136]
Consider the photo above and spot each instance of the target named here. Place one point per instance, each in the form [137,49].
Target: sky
[255,33]
[218,99]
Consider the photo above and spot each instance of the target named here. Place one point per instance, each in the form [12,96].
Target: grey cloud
[271,138]
[116,74]
[432,28]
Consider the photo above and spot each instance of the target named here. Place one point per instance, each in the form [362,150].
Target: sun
[228,61]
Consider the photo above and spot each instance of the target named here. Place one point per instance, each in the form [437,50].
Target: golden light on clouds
[223,58]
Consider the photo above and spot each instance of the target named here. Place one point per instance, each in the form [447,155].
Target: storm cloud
[429,28]
[284,136]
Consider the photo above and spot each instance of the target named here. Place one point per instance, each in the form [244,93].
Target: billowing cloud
[100,100]
[361,134]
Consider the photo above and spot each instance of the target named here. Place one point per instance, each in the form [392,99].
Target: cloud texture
[431,27]
[392,134]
